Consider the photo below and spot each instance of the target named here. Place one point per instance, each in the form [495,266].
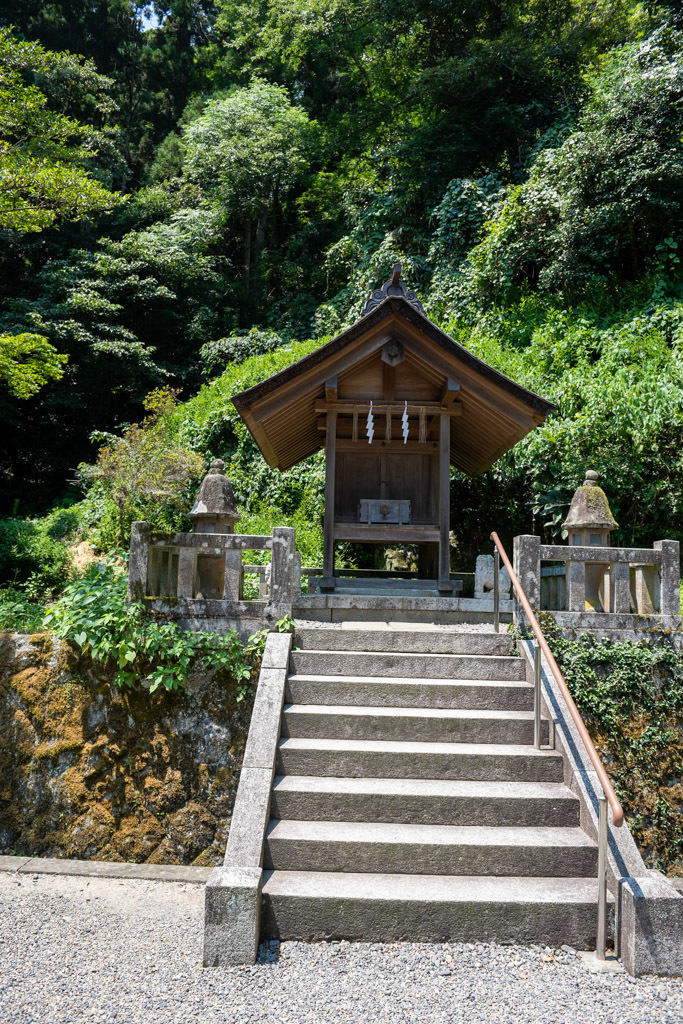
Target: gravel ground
[94,950]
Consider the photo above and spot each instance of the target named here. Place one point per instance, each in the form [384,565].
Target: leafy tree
[143,469]
[27,361]
[43,153]
[606,204]
[247,152]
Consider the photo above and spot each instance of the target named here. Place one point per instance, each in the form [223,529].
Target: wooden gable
[490,413]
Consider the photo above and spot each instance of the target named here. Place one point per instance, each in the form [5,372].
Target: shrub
[33,554]
[18,614]
[93,613]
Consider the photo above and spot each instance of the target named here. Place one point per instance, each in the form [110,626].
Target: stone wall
[88,770]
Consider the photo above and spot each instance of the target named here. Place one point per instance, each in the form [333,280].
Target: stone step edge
[308,677]
[381,711]
[191,873]
[536,837]
[417,747]
[462,788]
[376,887]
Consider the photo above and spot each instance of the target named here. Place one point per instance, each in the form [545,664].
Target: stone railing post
[187,564]
[670,577]
[282,571]
[620,588]
[527,565]
[232,575]
[576,587]
[139,560]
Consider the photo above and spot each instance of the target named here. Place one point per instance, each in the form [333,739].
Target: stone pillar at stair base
[232,898]
[232,916]
[651,931]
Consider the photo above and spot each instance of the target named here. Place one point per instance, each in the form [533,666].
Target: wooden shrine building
[395,403]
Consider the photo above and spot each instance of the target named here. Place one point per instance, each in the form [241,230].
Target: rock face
[88,770]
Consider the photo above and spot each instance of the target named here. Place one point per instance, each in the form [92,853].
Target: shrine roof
[496,413]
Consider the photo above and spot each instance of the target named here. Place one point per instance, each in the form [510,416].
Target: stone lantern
[590,520]
[215,510]
[589,523]
[216,576]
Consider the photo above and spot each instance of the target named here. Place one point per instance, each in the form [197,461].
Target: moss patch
[89,770]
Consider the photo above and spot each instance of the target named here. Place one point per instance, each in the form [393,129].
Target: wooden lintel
[347,406]
[331,390]
[450,391]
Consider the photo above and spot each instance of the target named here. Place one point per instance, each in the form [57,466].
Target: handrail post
[537,695]
[602,878]
[496,590]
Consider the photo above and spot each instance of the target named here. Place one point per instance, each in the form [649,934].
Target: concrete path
[86,949]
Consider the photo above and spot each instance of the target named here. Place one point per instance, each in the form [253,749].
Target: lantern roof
[215,497]
[590,507]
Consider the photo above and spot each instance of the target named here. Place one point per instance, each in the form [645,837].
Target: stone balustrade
[199,577]
[614,587]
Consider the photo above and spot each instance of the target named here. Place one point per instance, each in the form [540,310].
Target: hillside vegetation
[195,193]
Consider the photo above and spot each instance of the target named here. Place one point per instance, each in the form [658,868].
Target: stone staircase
[410,804]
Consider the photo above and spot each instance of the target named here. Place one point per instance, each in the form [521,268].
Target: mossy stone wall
[88,770]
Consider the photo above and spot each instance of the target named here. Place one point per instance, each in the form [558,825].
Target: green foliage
[218,355]
[18,614]
[93,613]
[27,362]
[606,202]
[33,554]
[144,472]
[44,153]
[631,697]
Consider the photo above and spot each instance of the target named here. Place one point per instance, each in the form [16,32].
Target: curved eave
[382,312]
[286,431]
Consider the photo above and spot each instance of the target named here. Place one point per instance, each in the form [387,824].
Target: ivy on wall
[631,698]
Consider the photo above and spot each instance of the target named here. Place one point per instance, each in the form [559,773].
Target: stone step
[413,760]
[409,641]
[407,665]
[392,691]
[424,801]
[429,849]
[429,725]
[311,905]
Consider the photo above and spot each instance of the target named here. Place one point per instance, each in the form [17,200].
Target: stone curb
[106,869]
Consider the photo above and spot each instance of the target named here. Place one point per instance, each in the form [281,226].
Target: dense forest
[195,193]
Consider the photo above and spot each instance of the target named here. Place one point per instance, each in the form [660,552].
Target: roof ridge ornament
[393,287]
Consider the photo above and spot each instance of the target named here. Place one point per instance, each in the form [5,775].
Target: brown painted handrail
[617,810]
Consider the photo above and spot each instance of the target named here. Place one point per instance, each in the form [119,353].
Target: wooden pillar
[444,582]
[327,582]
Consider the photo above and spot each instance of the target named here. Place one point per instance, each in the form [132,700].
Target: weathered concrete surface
[105,869]
[233,892]
[420,666]
[430,725]
[430,908]
[430,849]
[232,916]
[407,760]
[382,691]
[651,926]
[417,641]
[424,801]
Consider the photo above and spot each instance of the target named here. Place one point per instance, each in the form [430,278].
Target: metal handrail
[617,810]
